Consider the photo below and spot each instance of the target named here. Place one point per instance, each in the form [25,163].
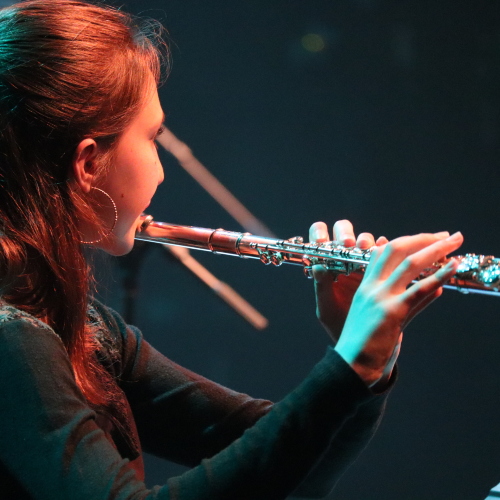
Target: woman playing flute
[82,392]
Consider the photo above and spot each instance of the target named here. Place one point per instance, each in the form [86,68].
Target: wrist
[363,366]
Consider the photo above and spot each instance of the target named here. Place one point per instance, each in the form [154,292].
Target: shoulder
[10,313]
[29,349]
[16,325]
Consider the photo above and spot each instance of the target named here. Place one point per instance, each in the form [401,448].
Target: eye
[160,131]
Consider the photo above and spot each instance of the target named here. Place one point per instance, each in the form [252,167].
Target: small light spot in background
[313,47]
[313,42]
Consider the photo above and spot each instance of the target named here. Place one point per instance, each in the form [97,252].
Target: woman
[81,391]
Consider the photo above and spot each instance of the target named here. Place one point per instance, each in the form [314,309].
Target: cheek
[133,179]
[136,190]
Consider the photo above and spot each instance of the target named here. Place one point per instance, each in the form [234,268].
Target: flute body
[475,274]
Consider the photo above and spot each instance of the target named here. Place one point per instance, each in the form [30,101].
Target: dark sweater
[54,446]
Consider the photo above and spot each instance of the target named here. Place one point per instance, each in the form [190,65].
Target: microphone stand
[223,290]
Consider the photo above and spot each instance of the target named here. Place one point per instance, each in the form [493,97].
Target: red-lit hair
[68,70]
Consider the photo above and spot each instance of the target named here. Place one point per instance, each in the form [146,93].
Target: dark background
[394,125]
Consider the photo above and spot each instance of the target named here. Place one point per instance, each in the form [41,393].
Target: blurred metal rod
[223,290]
[211,184]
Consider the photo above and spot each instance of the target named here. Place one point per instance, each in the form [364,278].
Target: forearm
[345,448]
[273,457]
[314,433]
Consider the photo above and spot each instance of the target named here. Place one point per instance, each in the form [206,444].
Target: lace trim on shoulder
[102,335]
[11,313]
[95,321]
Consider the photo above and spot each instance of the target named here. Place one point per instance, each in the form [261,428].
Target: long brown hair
[68,70]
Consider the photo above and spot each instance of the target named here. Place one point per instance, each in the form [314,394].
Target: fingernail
[455,236]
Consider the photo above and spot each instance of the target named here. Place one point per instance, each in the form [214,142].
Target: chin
[118,246]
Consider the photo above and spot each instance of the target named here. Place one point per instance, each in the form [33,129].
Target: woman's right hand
[384,303]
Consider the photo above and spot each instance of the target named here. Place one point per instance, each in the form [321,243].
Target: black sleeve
[52,448]
[345,447]
[184,417]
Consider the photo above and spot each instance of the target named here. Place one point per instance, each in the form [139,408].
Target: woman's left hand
[334,293]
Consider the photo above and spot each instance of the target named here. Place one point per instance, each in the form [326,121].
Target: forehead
[152,103]
[150,111]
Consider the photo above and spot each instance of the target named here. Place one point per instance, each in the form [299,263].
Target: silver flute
[475,273]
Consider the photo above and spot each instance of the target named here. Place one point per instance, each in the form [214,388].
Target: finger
[412,266]
[399,243]
[365,240]
[418,308]
[422,290]
[386,258]
[318,233]
[323,277]
[343,233]
[381,240]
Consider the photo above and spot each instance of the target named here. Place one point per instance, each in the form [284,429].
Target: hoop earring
[109,231]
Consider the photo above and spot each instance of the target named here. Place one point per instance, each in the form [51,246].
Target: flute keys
[269,257]
[276,259]
[265,258]
[308,263]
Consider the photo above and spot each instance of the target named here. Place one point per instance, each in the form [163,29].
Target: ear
[83,167]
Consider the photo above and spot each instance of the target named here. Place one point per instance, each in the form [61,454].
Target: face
[136,172]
